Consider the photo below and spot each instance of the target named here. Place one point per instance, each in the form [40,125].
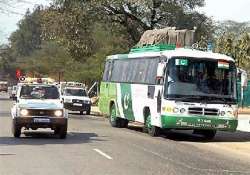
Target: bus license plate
[41,120]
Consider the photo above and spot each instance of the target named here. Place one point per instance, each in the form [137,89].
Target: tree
[139,16]
[28,36]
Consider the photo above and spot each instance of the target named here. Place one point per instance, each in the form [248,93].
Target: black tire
[16,130]
[63,131]
[57,130]
[88,111]
[123,123]
[81,112]
[113,119]
[152,130]
[207,134]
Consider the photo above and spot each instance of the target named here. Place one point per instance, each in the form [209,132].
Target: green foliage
[28,37]
[139,16]
[75,36]
[236,47]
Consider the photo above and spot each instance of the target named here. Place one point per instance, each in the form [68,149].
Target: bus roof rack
[153,48]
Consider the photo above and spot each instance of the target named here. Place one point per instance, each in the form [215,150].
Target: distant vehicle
[3,86]
[76,99]
[39,106]
[164,87]
[12,92]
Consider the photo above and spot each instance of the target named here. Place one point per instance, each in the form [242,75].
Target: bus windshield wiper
[222,99]
[190,98]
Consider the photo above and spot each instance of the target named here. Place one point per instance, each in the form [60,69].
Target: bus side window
[107,71]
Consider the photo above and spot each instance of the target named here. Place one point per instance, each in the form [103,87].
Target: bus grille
[203,111]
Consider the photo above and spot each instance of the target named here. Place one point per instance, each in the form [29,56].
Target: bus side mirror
[160,70]
[244,79]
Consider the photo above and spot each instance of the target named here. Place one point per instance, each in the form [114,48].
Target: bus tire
[113,119]
[123,122]
[153,131]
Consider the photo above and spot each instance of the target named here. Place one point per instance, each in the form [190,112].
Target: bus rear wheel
[113,119]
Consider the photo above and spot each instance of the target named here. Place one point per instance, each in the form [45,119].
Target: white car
[39,106]
[76,99]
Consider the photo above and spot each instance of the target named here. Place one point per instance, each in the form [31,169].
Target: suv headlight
[58,113]
[24,112]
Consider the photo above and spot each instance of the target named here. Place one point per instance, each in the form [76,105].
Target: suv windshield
[193,79]
[39,92]
[75,92]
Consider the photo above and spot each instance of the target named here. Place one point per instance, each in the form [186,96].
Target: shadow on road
[5,114]
[188,136]
[48,138]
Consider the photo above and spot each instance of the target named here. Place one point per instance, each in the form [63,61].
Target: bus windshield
[190,79]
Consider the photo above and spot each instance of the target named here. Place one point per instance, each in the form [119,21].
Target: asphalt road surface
[93,147]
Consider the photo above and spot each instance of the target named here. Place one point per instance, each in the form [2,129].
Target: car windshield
[201,79]
[39,92]
[75,92]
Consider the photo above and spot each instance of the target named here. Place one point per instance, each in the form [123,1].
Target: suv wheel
[16,130]
[63,132]
[88,111]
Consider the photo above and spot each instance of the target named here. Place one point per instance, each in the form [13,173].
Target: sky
[9,18]
[219,10]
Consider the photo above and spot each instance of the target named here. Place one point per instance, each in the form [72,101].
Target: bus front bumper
[199,122]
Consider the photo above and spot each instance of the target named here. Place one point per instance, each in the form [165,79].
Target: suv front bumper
[34,123]
[81,107]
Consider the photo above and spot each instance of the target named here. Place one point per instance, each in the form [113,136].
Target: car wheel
[81,112]
[16,130]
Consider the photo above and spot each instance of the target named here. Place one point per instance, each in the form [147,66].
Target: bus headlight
[58,113]
[175,110]
[24,112]
[182,110]
[222,113]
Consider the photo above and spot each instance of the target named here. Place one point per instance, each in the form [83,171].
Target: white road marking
[103,154]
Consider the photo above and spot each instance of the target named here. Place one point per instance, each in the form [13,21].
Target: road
[93,147]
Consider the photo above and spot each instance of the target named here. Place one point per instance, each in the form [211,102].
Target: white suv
[39,106]
[76,99]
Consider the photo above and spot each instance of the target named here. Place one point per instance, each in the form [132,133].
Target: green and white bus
[164,87]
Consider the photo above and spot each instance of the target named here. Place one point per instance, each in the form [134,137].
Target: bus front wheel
[153,131]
